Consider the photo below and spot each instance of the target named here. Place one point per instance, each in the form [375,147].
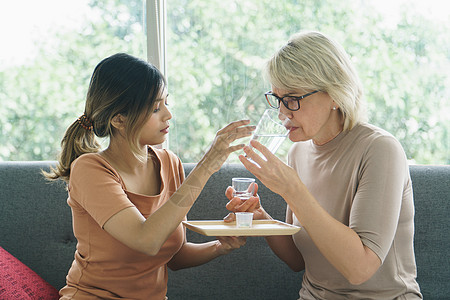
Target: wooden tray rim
[280,228]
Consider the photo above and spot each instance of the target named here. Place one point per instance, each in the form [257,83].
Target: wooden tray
[259,228]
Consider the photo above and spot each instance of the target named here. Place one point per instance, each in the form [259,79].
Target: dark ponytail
[78,139]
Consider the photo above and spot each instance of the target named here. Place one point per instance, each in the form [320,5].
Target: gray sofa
[35,227]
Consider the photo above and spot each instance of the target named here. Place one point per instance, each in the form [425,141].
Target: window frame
[156,33]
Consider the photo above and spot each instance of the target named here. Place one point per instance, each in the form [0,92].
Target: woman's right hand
[220,148]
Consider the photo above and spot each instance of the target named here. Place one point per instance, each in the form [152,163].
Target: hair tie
[85,122]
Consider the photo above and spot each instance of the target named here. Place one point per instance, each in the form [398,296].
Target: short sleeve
[178,170]
[96,187]
[376,206]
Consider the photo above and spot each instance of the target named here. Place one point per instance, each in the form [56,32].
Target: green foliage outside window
[42,97]
[214,53]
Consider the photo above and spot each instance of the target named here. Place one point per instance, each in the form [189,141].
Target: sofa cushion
[17,281]
[43,237]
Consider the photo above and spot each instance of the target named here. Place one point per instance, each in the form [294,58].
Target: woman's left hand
[271,171]
[226,244]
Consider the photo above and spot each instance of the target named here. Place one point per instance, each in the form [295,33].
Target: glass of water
[271,131]
[243,187]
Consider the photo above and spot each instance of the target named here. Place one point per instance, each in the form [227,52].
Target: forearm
[191,255]
[283,246]
[338,243]
[191,188]
[160,225]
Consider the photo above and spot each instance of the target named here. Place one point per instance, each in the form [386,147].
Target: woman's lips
[165,130]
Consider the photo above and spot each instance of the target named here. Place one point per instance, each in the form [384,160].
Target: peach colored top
[104,268]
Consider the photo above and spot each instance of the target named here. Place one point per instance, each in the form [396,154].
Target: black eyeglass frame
[285,102]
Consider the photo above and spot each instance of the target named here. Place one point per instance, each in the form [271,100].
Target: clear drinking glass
[244,188]
[271,131]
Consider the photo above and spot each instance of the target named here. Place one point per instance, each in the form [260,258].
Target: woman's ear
[118,121]
[335,106]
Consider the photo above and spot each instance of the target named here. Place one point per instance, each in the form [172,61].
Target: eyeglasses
[290,102]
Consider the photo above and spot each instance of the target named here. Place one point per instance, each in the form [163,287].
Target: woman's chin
[296,136]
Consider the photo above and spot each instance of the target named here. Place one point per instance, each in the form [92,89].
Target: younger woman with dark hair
[128,200]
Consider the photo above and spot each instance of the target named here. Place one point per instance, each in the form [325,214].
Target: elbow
[296,269]
[152,251]
[358,278]
[174,267]
[151,248]
[359,273]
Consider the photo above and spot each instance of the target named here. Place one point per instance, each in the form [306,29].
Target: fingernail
[227,217]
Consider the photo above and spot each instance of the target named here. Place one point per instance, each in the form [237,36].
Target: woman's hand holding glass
[270,170]
[236,204]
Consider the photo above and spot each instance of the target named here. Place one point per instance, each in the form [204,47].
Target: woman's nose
[283,112]
[167,113]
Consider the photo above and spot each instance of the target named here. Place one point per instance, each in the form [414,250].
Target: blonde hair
[120,84]
[312,61]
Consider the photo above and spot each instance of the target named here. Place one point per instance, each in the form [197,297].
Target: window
[51,49]
[212,57]
[400,48]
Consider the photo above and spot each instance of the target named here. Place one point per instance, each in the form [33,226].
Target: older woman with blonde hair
[347,182]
